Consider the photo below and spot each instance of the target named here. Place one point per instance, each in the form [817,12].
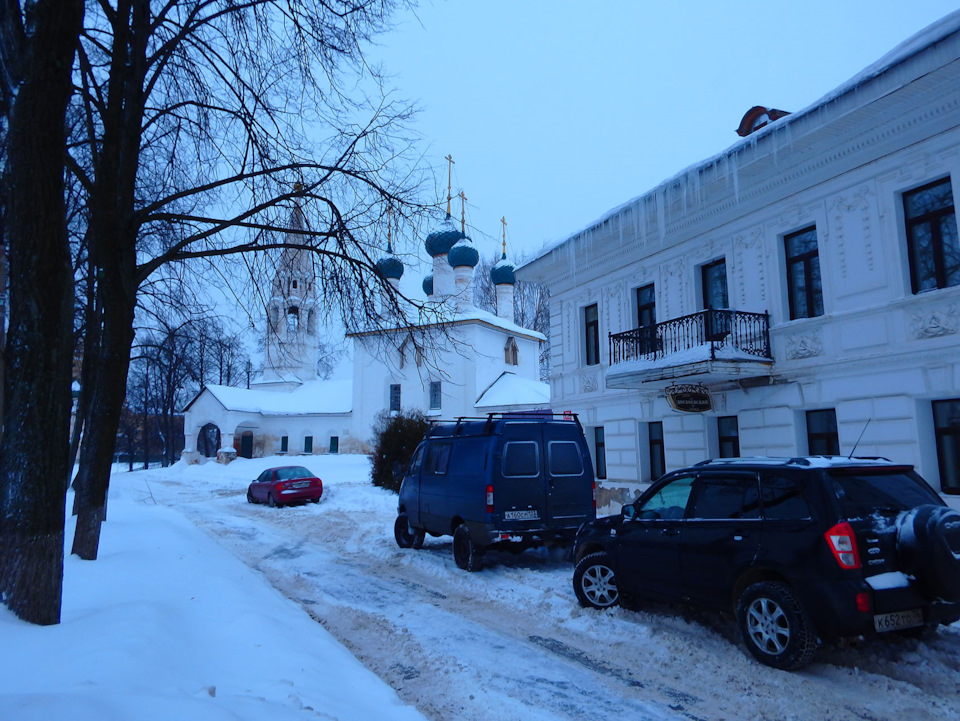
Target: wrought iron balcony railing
[745,332]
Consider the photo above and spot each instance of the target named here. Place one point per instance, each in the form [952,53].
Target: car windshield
[862,492]
[292,473]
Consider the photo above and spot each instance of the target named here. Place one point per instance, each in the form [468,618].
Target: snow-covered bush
[396,436]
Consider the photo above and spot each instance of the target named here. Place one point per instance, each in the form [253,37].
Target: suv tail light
[593,489]
[843,543]
[489,499]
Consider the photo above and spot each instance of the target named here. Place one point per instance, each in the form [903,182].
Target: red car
[285,485]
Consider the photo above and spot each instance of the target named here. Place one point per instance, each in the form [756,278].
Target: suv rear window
[861,492]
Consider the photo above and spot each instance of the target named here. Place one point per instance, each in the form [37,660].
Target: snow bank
[168,625]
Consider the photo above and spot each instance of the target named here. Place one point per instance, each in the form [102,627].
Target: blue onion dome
[441,240]
[390,267]
[502,272]
[463,253]
[428,284]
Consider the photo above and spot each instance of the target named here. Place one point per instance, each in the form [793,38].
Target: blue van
[508,481]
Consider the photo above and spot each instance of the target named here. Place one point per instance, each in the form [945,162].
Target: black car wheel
[270,501]
[250,498]
[928,539]
[406,536]
[774,626]
[466,554]
[595,583]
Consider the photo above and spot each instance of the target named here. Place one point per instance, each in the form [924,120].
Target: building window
[822,437]
[334,444]
[946,424]
[591,334]
[394,396]
[435,395]
[511,354]
[803,274]
[308,444]
[293,319]
[932,242]
[728,433]
[600,449]
[646,306]
[714,284]
[284,443]
[658,460]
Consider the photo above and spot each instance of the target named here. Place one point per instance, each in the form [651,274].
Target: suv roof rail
[795,461]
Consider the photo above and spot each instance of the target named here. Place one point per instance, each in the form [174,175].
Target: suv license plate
[521,515]
[900,619]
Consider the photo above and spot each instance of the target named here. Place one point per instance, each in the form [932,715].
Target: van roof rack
[504,415]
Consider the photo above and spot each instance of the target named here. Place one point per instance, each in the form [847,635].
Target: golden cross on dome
[450,165]
[463,212]
[503,220]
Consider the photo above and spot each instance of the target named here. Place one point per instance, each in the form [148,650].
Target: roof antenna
[860,438]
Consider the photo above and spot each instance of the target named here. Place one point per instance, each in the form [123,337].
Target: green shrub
[396,436]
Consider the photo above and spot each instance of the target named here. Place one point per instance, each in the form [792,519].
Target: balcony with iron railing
[711,345]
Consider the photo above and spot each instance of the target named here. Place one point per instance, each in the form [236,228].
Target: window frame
[436,395]
[816,437]
[948,443]
[591,335]
[394,393]
[600,451]
[809,263]
[705,275]
[933,219]
[656,445]
[646,307]
[308,444]
[724,437]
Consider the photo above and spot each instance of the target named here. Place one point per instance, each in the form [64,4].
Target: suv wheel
[406,536]
[466,554]
[774,626]
[594,582]
[928,539]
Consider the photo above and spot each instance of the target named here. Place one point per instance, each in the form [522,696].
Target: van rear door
[518,477]
[570,499]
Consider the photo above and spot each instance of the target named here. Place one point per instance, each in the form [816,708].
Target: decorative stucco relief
[804,346]
[850,211]
[933,323]
[590,383]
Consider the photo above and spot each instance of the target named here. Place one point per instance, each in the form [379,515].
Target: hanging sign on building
[688,398]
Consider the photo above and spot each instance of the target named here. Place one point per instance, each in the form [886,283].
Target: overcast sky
[557,111]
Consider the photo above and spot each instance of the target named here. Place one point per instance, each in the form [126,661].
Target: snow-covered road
[510,642]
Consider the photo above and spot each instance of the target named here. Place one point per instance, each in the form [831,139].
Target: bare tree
[37,45]
[206,124]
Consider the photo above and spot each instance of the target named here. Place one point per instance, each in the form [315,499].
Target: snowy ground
[170,624]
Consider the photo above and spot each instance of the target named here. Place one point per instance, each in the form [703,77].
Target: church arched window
[511,354]
[293,319]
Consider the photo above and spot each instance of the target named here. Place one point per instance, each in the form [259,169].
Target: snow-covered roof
[914,45]
[512,390]
[465,315]
[310,398]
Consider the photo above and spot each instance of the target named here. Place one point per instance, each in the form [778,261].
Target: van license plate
[521,515]
[900,619]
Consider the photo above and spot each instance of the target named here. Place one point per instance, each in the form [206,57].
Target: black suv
[800,549]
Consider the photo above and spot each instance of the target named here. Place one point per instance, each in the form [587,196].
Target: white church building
[462,362]
[799,293]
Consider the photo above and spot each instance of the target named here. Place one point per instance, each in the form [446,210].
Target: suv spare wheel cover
[928,538]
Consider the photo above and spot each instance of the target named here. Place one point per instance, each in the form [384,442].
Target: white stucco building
[804,285]
[460,361]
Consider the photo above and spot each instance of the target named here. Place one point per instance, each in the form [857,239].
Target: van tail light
[843,543]
[489,499]
[593,490]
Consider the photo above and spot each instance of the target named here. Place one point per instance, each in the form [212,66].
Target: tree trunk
[38,355]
